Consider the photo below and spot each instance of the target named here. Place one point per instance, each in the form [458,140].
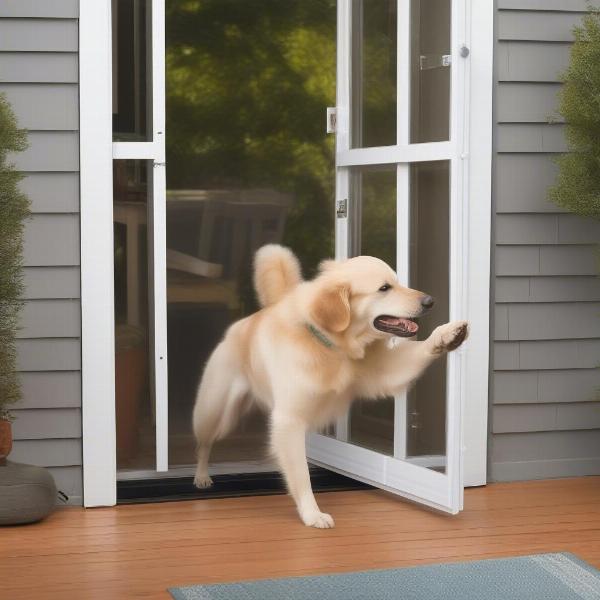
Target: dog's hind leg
[219,404]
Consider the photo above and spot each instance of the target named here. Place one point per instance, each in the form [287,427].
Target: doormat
[538,577]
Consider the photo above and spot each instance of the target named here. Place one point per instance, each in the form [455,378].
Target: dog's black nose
[427,301]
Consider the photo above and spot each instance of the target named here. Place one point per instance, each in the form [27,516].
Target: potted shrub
[14,209]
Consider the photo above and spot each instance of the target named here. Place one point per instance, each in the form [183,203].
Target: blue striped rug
[538,577]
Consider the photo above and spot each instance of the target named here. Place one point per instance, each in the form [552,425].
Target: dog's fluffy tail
[276,272]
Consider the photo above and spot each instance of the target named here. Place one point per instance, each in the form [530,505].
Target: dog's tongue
[405,324]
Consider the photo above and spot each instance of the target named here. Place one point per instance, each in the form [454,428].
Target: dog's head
[362,296]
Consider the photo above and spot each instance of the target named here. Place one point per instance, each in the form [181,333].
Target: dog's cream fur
[272,358]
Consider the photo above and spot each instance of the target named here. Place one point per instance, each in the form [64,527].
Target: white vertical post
[479,39]
[402,194]
[97,295]
[159,238]
[342,143]
[455,389]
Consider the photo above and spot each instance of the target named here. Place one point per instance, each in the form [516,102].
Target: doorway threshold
[169,489]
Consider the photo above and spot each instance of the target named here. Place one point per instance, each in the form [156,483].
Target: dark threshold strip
[170,489]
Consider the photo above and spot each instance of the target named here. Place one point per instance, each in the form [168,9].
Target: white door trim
[97,297]
[479,39]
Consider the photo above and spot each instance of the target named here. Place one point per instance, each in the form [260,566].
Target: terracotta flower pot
[131,362]
[5,439]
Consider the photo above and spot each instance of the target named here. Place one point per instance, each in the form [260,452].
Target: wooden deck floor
[137,551]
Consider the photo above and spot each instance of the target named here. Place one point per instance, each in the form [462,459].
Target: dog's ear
[331,308]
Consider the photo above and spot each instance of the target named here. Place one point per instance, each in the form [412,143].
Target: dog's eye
[385,287]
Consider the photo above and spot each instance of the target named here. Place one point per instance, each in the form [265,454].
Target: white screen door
[412,187]
[399,196]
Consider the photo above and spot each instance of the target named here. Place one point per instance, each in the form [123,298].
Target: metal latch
[341,208]
[331,119]
[434,61]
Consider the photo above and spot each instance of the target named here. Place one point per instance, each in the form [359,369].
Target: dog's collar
[321,337]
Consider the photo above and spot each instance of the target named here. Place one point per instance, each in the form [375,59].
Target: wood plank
[527,102]
[526,229]
[44,106]
[545,5]
[39,67]
[532,61]
[52,192]
[549,260]
[552,321]
[522,470]
[39,35]
[49,355]
[551,229]
[516,191]
[530,387]
[40,8]
[531,137]
[548,289]
[52,240]
[545,445]
[139,551]
[546,354]
[51,282]
[524,418]
[537,26]
[51,389]
[37,424]
[50,319]
[47,453]
[49,151]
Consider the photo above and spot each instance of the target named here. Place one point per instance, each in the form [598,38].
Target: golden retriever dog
[311,350]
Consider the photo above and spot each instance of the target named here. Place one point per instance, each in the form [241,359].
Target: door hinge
[414,420]
[331,119]
[434,61]
[341,208]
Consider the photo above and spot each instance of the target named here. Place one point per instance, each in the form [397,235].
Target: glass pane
[430,273]
[374,200]
[430,70]
[374,44]
[248,162]
[134,400]
[374,218]
[131,96]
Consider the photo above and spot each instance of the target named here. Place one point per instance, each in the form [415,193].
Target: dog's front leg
[288,443]
[387,372]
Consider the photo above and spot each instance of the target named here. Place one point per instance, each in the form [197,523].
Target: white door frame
[97,152]
[97,295]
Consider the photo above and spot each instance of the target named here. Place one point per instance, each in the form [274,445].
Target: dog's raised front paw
[318,519]
[450,336]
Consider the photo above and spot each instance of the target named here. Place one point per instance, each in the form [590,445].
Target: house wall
[39,74]
[546,330]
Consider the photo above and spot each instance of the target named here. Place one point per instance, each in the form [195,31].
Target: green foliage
[14,208]
[247,87]
[578,184]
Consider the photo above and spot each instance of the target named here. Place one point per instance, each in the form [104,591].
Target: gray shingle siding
[39,75]
[544,416]
[545,410]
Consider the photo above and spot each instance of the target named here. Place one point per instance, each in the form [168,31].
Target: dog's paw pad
[202,481]
[451,336]
[319,520]
[457,336]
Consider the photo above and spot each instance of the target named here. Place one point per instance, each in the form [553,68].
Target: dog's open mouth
[396,325]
